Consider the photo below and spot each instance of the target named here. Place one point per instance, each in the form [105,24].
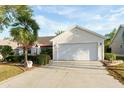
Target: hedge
[43,59]
[110,56]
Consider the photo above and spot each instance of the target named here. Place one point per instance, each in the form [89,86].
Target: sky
[100,19]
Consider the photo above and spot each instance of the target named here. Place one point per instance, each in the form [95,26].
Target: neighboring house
[78,43]
[117,44]
[42,44]
[11,43]
[32,50]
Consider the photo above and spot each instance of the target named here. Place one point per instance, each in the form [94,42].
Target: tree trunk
[26,57]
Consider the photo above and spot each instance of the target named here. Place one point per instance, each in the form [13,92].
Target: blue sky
[101,19]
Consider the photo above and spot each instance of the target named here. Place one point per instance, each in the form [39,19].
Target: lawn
[117,72]
[7,71]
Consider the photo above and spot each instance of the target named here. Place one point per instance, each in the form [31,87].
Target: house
[117,44]
[78,43]
[42,44]
[32,50]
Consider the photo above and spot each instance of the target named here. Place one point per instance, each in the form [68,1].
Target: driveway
[79,74]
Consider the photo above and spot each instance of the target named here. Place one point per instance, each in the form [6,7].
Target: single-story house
[117,44]
[42,44]
[78,43]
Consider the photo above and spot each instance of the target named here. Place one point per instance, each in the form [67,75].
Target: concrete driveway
[66,74]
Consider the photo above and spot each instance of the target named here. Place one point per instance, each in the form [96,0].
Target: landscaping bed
[7,71]
[117,72]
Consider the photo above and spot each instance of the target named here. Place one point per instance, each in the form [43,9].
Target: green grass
[117,72]
[7,71]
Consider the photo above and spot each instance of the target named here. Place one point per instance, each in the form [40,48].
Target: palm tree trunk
[26,57]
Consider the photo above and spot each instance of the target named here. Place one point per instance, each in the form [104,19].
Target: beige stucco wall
[78,36]
[117,42]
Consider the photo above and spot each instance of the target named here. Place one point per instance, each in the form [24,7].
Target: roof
[121,26]
[45,41]
[82,28]
[13,44]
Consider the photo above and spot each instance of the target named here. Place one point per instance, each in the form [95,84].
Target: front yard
[7,71]
[117,71]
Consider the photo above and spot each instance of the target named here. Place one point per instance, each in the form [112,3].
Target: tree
[23,28]
[25,32]
[59,32]
[9,14]
[111,34]
[108,40]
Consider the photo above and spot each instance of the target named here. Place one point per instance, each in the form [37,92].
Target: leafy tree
[111,34]
[25,32]
[59,32]
[108,40]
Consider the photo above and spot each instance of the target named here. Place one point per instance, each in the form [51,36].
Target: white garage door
[83,51]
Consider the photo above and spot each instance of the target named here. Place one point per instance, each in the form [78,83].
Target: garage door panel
[77,51]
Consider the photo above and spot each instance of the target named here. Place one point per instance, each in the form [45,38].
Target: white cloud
[71,12]
[102,28]
[39,7]
[117,10]
[97,17]
[49,26]
[115,14]
[101,23]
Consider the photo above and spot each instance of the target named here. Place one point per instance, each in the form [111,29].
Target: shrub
[11,58]
[5,50]
[120,57]
[43,59]
[21,58]
[32,58]
[47,51]
[107,49]
[110,56]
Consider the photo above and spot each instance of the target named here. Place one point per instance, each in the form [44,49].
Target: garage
[78,43]
[77,51]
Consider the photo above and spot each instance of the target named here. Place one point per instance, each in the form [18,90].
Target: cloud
[96,21]
[115,14]
[66,11]
[117,10]
[97,17]
[49,26]
[38,7]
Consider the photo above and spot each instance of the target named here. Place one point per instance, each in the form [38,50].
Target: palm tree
[9,13]
[25,32]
